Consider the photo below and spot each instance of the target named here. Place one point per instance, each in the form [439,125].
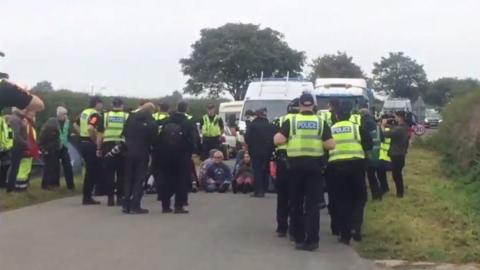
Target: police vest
[211,128]
[305,139]
[6,135]
[114,123]
[160,116]
[384,148]
[327,116]
[348,142]
[356,118]
[84,117]
[280,122]
[64,132]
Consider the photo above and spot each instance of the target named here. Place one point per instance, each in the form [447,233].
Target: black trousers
[93,166]
[210,143]
[282,196]
[260,174]
[306,186]
[382,175]
[333,208]
[174,176]
[398,162]
[350,195]
[4,166]
[374,182]
[113,171]
[136,172]
[16,156]
[51,171]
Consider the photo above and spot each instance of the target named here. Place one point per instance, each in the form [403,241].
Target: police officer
[348,164]
[384,159]
[6,144]
[212,128]
[306,135]
[283,176]
[160,118]
[111,139]
[329,116]
[90,119]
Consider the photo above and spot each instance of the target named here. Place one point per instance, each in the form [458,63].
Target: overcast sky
[133,47]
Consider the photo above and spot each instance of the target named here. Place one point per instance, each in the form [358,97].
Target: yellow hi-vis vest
[158,116]
[348,142]
[189,117]
[327,116]
[114,122]
[6,135]
[305,139]
[356,118]
[84,116]
[384,148]
[211,128]
[280,122]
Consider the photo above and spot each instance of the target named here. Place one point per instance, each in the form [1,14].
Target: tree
[43,86]
[441,91]
[338,65]
[228,58]
[400,76]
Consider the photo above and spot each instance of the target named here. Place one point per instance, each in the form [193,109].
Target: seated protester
[218,175]
[239,158]
[244,176]
[202,176]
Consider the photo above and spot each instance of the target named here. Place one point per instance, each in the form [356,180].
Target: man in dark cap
[212,129]
[306,135]
[88,123]
[259,138]
[282,174]
[111,140]
[348,164]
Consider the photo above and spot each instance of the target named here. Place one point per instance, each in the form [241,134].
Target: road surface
[223,231]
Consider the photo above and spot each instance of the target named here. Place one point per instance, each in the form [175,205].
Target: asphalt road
[223,231]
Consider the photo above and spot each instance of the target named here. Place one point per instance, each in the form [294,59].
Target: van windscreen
[275,108]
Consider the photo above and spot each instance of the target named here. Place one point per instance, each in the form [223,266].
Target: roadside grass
[34,194]
[438,220]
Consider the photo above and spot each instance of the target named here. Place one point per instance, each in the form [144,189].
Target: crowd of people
[305,153]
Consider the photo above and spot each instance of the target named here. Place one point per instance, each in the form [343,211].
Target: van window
[275,108]
[357,102]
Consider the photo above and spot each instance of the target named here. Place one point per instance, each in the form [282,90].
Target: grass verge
[35,195]
[438,220]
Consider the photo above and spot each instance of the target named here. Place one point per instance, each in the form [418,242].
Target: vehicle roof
[277,90]
[338,87]
[330,82]
[231,106]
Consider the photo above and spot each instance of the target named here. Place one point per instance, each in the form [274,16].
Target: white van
[274,95]
[392,105]
[230,114]
[351,89]
[228,110]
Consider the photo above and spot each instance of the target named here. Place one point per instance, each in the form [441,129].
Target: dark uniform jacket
[140,130]
[259,137]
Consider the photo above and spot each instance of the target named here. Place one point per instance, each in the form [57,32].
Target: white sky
[133,47]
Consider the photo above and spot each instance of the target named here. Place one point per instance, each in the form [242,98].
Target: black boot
[138,210]
[181,210]
[89,201]
[111,201]
[119,201]
[126,206]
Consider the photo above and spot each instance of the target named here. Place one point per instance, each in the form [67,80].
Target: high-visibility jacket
[384,148]
[327,116]
[211,128]
[356,118]
[84,117]
[348,142]
[63,131]
[305,139]
[114,121]
[375,152]
[189,117]
[158,116]
[280,122]
[25,168]
[6,135]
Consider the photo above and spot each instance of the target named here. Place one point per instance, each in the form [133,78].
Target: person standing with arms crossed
[307,136]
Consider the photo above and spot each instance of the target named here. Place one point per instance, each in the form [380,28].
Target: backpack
[173,134]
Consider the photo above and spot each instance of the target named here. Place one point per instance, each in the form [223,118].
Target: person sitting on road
[202,176]
[244,176]
[219,176]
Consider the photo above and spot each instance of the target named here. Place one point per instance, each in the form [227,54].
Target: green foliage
[75,102]
[43,86]
[400,75]
[441,91]
[228,58]
[338,65]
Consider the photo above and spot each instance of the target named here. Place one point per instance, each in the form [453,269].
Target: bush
[458,138]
